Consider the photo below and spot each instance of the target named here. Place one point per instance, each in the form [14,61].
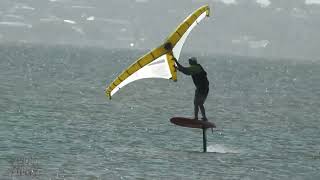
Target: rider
[200,80]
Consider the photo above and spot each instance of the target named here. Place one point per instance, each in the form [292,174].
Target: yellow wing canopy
[158,63]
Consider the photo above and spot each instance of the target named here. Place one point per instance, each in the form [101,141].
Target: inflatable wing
[158,63]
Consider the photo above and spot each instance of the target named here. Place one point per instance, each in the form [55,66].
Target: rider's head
[193,61]
[168,46]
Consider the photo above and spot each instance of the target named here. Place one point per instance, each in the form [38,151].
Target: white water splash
[311,2]
[219,148]
[78,29]
[69,21]
[51,18]
[83,7]
[91,18]
[263,3]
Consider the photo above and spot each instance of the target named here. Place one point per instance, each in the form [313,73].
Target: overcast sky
[266,28]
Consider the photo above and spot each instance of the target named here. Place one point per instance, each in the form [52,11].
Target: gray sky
[265,28]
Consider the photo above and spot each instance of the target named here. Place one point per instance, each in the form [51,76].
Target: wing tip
[107,93]
[208,11]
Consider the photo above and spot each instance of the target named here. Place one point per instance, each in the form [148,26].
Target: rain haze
[263,28]
[77,102]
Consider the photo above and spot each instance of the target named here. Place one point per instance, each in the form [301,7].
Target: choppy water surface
[55,117]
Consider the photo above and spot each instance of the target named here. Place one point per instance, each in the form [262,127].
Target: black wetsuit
[200,80]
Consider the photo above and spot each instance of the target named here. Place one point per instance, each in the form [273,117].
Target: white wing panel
[158,68]
[177,48]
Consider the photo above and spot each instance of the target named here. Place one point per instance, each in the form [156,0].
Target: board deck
[192,123]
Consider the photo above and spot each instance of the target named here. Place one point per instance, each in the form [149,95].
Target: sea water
[57,123]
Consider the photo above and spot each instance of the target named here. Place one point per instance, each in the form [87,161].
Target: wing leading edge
[158,63]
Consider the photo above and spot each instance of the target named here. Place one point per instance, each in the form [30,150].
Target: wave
[15,24]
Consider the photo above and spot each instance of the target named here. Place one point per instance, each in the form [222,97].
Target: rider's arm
[187,70]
